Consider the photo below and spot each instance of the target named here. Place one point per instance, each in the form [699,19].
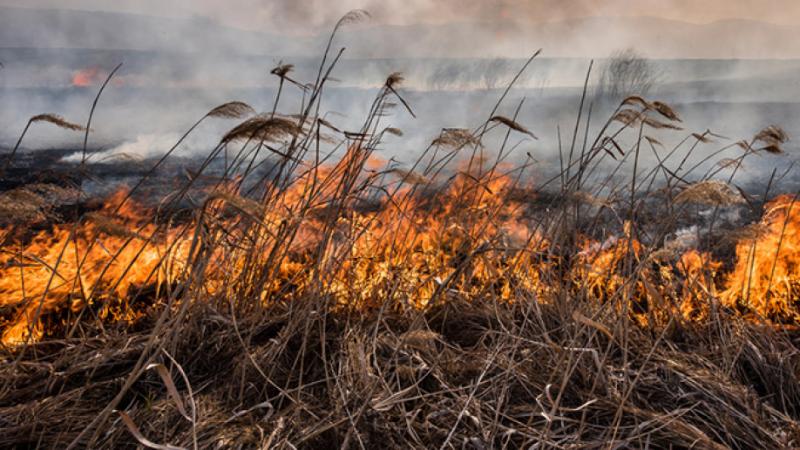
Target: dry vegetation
[325,298]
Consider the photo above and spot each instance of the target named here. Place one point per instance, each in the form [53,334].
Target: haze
[509,21]
[728,65]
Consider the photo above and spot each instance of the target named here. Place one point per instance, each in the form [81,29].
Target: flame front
[766,277]
[475,238]
[71,266]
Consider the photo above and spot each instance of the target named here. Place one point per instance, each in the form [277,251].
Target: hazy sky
[483,28]
[299,14]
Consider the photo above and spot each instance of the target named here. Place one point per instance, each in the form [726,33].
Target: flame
[766,277]
[73,266]
[475,238]
[91,76]
[86,77]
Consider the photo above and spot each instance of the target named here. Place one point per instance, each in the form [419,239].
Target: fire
[91,76]
[402,250]
[698,270]
[766,277]
[86,77]
[407,244]
[98,262]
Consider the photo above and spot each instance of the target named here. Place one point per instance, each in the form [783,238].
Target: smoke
[455,56]
[414,28]
[143,146]
[313,14]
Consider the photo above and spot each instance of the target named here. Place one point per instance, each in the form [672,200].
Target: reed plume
[710,192]
[666,111]
[771,139]
[264,129]
[57,121]
[232,110]
[456,138]
[513,125]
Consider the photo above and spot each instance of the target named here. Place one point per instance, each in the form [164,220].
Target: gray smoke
[456,59]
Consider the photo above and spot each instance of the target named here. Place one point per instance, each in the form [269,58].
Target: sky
[302,16]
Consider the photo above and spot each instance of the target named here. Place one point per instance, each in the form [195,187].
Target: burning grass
[337,299]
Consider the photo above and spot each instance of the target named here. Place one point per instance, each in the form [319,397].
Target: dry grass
[524,340]
[456,138]
[33,203]
[711,192]
[57,121]
[461,375]
[232,110]
[262,129]
[512,124]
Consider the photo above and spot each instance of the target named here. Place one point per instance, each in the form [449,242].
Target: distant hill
[592,37]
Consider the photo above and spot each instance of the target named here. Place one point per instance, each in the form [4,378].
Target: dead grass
[587,358]
[463,374]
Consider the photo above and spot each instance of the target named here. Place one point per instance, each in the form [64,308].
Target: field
[294,289]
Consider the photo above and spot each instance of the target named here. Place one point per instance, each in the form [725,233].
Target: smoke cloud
[302,15]
[455,55]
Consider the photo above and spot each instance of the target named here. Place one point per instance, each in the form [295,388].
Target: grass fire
[296,288]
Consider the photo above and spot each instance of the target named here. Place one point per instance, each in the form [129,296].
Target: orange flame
[92,76]
[86,77]
[473,239]
[766,277]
